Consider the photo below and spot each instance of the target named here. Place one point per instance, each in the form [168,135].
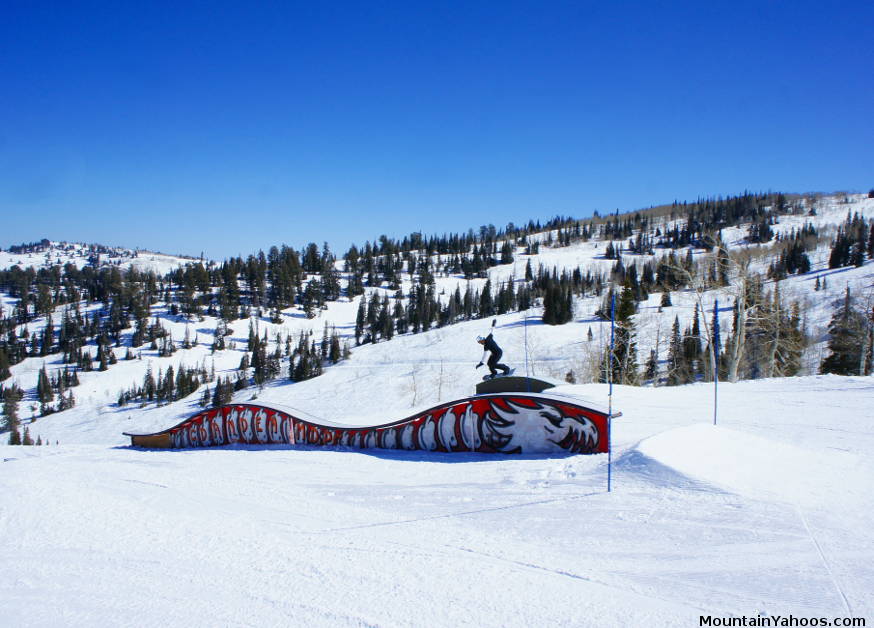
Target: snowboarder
[490,346]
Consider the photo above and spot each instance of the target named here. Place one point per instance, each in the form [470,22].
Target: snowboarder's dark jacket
[489,345]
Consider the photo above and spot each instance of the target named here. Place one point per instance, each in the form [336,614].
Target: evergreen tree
[11,397]
[70,401]
[651,368]
[224,392]
[841,250]
[335,354]
[149,388]
[677,367]
[5,372]
[360,320]
[169,385]
[692,351]
[486,304]
[624,358]
[205,398]
[847,333]
[221,330]
[666,299]
[507,253]
[44,387]
[384,323]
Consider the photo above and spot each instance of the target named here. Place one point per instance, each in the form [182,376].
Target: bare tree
[744,285]
[413,387]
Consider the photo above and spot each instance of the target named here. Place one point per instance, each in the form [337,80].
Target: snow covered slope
[81,255]
[770,512]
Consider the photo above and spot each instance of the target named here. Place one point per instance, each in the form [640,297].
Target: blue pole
[527,374]
[610,395]
[715,357]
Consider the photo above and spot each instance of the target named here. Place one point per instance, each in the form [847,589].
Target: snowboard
[498,375]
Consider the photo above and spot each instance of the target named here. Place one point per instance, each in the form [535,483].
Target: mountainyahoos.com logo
[779,620]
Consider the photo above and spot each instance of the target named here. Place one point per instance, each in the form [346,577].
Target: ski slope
[769,512]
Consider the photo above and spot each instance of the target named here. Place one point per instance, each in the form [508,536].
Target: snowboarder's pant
[494,365]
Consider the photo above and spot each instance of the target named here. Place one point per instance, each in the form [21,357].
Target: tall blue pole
[715,356]
[610,395]
[527,374]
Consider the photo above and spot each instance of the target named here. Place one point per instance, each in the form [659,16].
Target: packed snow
[770,512]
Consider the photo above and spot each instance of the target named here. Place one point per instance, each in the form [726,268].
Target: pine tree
[149,388]
[5,371]
[70,401]
[44,387]
[169,385]
[841,250]
[224,392]
[692,350]
[360,320]
[677,370]
[486,304]
[101,355]
[384,323]
[666,299]
[218,343]
[11,397]
[624,357]
[335,354]
[652,367]
[846,340]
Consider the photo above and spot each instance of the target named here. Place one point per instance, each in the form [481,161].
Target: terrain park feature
[494,422]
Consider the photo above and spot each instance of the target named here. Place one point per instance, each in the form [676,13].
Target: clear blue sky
[229,127]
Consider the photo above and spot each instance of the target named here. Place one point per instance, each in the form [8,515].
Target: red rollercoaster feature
[502,422]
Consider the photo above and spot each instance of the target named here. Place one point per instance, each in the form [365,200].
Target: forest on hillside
[96,315]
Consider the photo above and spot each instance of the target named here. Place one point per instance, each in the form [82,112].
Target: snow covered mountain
[46,253]
[766,514]
[391,378]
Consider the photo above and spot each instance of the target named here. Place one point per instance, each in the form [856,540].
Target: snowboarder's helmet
[480,339]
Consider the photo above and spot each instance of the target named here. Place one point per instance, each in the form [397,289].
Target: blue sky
[225,128]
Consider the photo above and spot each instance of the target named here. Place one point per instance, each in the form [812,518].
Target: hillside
[766,514]
[46,253]
[387,379]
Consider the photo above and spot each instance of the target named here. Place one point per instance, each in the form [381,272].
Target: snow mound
[752,465]
[634,462]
